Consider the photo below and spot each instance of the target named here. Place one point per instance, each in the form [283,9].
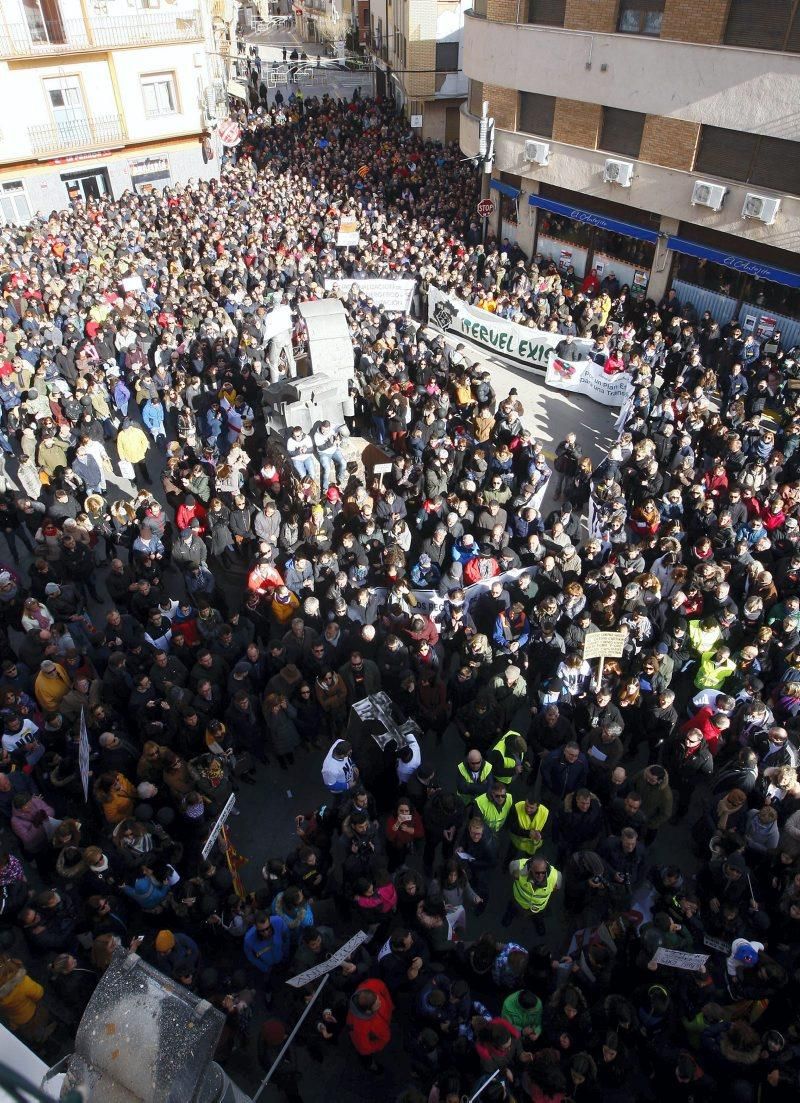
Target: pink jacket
[28,824]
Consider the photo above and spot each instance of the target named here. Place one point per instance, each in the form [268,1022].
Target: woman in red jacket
[369,1020]
[403,827]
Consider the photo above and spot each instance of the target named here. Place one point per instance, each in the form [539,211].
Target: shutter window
[758,24]
[548,13]
[726,153]
[622,131]
[777,165]
[475,98]
[793,41]
[536,114]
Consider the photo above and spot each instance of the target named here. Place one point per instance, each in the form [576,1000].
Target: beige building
[658,139]
[106,96]
[417,48]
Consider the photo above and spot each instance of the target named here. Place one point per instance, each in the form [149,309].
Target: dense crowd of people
[525,940]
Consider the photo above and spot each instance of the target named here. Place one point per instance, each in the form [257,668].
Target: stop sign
[485,208]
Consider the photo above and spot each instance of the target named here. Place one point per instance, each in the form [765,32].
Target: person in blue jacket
[267,944]
[153,417]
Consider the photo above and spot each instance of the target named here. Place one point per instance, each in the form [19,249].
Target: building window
[475,98]
[764,25]
[641,17]
[622,131]
[159,95]
[446,57]
[536,114]
[43,18]
[14,206]
[547,13]
[749,158]
[726,153]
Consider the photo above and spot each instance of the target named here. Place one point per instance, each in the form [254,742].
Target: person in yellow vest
[494,806]
[506,757]
[473,776]
[534,881]
[525,826]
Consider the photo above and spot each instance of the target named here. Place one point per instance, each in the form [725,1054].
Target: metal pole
[482,1088]
[289,1040]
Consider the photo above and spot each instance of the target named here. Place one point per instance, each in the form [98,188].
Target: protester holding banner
[455,586]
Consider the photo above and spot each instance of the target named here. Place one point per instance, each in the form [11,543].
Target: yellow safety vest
[486,769]
[525,843]
[509,771]
[494,817]
[532,897]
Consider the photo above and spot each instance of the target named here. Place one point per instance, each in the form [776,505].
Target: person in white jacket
[339,772]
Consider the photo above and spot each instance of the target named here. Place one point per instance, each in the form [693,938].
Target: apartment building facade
[107,95]
[655,139]
[417,47]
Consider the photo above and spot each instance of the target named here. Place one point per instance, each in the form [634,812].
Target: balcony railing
[77,136]
[70,35]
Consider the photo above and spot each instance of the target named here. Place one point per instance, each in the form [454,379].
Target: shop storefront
[590,240]
[508,193]
[762,297]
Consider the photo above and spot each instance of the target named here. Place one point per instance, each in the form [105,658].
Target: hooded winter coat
[370,1031]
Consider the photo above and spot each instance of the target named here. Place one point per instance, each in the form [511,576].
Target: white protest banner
[83,756]
[393,295]
[331,963]
[521,345]
[432,602]
[277,321]
[677,959]
[215,830]
[131,284]
[348,230]
[605,645]
[586,377]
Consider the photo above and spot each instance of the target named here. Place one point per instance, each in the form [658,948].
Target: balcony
[68,36]
[80,136]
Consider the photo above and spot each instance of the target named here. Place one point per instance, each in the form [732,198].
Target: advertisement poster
[766,326]
[639,284]
[565,259]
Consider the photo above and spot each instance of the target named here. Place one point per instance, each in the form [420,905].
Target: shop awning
[594,219]
[504,189]
[737,264]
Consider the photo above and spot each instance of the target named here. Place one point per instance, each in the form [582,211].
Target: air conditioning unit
[618,172]
[762,207]
[708,195]
[538,152]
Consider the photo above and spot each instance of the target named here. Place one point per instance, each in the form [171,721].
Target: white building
[106,95]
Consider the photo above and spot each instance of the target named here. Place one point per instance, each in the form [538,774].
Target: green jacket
[522,1017]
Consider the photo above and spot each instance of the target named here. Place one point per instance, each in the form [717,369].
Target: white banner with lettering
[392,295]
[533,349]
[431,601]
[586,377]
